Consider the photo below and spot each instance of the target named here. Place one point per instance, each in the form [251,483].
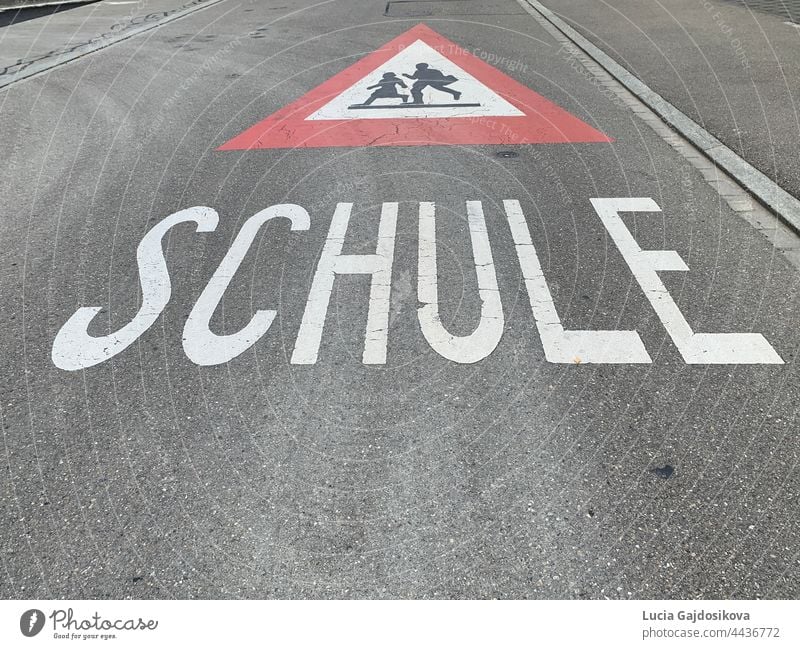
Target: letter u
[483,341]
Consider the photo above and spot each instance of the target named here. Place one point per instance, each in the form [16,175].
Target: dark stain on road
[665,471]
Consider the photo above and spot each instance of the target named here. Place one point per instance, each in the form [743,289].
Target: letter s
[73,347]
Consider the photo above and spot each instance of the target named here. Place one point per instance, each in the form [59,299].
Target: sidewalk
[731,69]
[15,5]
[52,33]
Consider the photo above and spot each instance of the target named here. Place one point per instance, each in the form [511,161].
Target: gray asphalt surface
[150,477]
[730,68]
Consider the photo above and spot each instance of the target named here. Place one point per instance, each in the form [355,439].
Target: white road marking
[483,341]
[560,345]
[75,349]
[201,345]
[332,262]
[472,91]
[696,348]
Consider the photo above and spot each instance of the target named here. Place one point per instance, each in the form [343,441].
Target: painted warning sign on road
[419,89]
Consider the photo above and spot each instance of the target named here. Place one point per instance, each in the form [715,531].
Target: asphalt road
[148,475]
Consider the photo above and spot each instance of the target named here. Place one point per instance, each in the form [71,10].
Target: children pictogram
[424,76]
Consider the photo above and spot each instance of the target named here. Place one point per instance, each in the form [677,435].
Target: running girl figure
[386,89]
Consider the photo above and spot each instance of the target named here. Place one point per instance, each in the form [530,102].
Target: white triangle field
[444,104]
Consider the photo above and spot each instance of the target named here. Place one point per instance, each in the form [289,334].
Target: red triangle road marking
[509,112]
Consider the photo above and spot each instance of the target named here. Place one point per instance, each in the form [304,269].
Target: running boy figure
[425,76]
[386,89]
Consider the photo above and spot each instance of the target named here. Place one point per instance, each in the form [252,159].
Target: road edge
[785,206]
[99,43]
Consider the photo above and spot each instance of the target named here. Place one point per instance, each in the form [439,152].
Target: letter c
[201,345]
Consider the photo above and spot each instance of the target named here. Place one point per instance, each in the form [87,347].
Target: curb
[785,206]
